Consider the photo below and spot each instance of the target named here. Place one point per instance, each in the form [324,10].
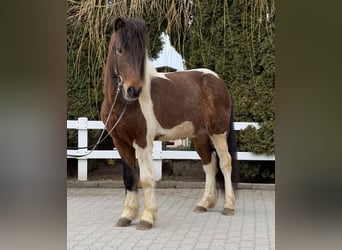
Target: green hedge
[236,40]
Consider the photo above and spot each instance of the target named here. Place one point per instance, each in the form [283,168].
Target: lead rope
[100,139]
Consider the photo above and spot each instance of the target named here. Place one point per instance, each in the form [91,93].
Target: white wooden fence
[158,154]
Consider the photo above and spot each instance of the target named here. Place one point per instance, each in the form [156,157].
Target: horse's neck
[150,69]
[150,72]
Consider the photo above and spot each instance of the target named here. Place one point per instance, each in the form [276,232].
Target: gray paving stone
[92,213]
[156,246]
[186,247]
[202,245]
[231,246]
[218,243]
[141,248]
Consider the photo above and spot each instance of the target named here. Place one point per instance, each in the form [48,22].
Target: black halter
[116,70]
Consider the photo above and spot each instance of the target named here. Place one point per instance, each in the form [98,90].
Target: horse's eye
[119,51]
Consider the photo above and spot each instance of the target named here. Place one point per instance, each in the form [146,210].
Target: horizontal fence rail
[158,154]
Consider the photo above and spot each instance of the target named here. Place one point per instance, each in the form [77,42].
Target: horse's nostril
[132,92]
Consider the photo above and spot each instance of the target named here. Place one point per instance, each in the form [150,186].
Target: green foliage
[256,172]
[250,171]
[257,140]
[236,39]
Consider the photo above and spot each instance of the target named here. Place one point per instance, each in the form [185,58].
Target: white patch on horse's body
[146,104]
[161,75]
[204,71]
[185,129]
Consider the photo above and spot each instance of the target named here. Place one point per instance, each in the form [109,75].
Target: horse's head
[128,45]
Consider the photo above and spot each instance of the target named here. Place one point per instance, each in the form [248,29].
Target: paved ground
[92,213]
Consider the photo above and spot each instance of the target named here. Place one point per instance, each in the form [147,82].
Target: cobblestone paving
[92,213]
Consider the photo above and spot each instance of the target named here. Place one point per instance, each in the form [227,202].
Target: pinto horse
[193,103]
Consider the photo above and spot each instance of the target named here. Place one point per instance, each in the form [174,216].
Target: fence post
[82,142]
[157,159]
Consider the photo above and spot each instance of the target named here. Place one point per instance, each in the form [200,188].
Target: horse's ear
[119,23]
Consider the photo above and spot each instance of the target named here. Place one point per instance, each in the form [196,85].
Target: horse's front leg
[148,183]
[130,177]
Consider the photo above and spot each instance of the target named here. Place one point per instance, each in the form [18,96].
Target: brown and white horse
[193,103]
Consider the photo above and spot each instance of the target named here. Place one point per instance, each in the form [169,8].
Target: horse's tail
[232,149]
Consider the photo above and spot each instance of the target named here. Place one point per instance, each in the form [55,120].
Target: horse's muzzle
[133,93]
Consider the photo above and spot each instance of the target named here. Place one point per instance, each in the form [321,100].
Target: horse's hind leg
[221,146]
[130,177]
[203,148]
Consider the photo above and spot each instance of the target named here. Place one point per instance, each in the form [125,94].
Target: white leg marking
[131,208]
[147,181]
[210,193]
[220,144]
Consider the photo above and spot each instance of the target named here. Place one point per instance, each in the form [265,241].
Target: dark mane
[132,37]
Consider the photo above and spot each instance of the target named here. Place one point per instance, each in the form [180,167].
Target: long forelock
[133,39]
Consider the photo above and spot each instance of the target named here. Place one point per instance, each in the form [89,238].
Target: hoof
[123,222]
[200,209]
[144,225]
[228,211]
